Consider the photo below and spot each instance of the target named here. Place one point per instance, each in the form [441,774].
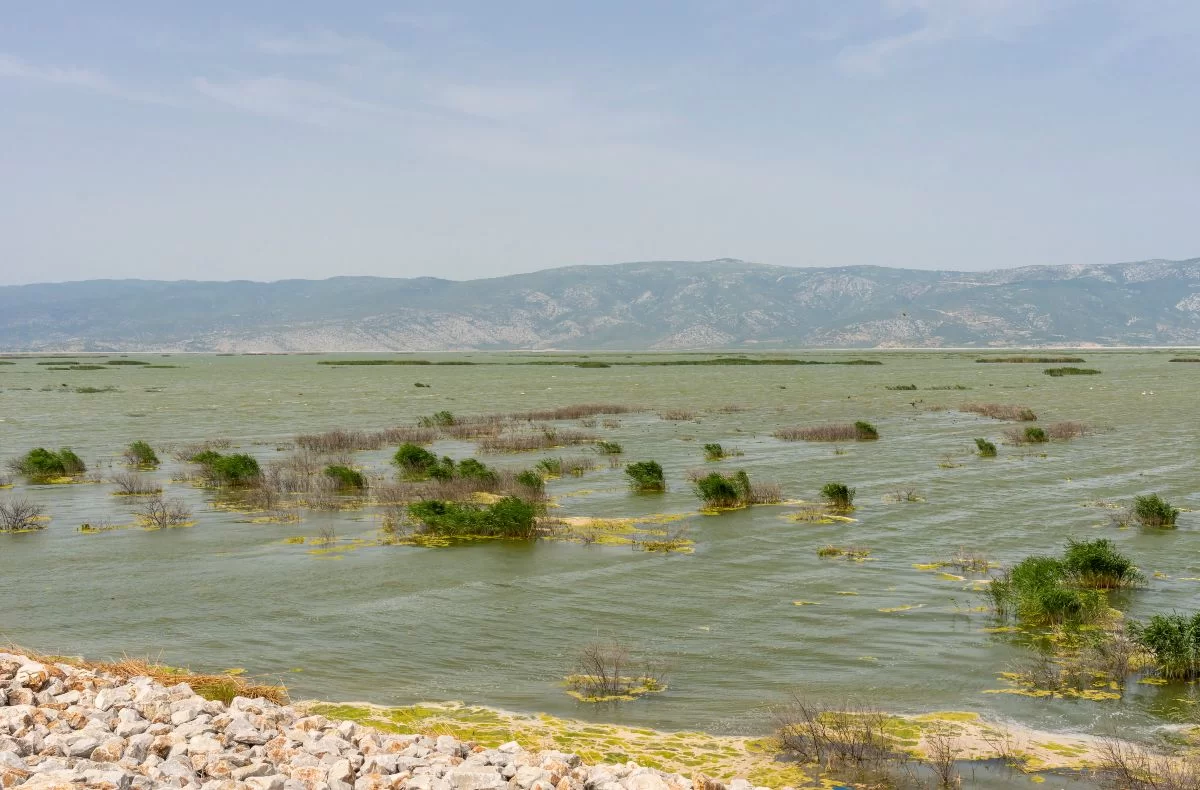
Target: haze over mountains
[633,306]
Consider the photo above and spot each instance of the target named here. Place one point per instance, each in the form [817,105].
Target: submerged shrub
[1096,564]
[441,419]
[157,513]
[471,469]
[1174,643]
[1000,411]
[237,469]
[838,495]
[141,454]
[605,447]
[713,452]
[722,491]
[347,479]
[40,464]
[414,461]
[1154,511]
[901,387]
[509,517]
[646,476]
[986,448]
[1058,372]
[20,515]
[1035,435]
[865,431]
[1048,591]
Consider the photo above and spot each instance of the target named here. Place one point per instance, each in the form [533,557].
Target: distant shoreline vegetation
[1037,360]
[605,364]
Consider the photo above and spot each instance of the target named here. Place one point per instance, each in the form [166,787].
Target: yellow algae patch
[294,540]
[805,603]
[951,577]
[904,608]
[592,688]
[928,566]
[846,592]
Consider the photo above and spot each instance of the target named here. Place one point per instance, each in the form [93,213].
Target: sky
[307,139]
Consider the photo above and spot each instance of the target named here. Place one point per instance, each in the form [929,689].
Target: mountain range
[662,305]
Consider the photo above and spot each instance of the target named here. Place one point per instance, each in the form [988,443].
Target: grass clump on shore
[1068,371]
[141,454]
[1038,360]
[646,477]
[509,517]
[986,448]
[1173,640]
[860,431]
[1152,510]
[1000,411]
[838,496]
[1049,591]
[40,464]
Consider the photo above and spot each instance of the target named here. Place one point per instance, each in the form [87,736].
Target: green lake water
[498,623]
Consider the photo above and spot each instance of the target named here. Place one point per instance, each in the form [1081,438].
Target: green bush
[838,495]
[609,448]
[141,454]
[986,448]
[713,452]
[507,518]
[1097,565]
[41,464]
[865,431]
[1035,435]
[441,419]
[237,469]
[1154,511]
[1174,643]
[204,458]
[530,479]
[721,491]
[551,467]
[415,461]
[471,469]
[646,476]
[347,479]
[1047,591]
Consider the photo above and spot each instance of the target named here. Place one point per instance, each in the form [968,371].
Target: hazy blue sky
[308,138]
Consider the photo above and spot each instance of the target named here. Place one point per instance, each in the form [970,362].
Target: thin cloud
[938,22]
[297,100]
[12,67]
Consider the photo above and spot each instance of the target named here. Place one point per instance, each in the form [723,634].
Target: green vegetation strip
[597,364]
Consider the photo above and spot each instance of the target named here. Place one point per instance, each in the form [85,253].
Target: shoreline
[34,688]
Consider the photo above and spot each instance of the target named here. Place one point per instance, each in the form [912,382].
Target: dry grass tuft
[544,439]
[836,432]
[677,415]
[1000,411]
[1066,430]
[575,412]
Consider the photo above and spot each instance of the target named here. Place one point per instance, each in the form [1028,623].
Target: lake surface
[498,623]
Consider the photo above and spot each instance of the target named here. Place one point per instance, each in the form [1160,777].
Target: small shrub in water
[509,517]
[865,431]
[347,479]
[1044,591]
[41,464]
[646,476]
[551,467]
[713,452]
[609,448]
[1035,435]
[1174,643]
[1069,371]
[901,387]
[471,469]
[20,515]
[414,461]
[237,469]
[441,419]
[1097,565]
[141,454]
[720,491]
[986,448]
[838,495]
[1154,511]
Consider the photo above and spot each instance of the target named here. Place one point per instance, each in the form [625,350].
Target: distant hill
[658,305]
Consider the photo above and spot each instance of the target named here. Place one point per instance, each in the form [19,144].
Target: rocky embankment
[63,726]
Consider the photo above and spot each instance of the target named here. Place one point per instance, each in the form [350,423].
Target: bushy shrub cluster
[43,464]
[509,517]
